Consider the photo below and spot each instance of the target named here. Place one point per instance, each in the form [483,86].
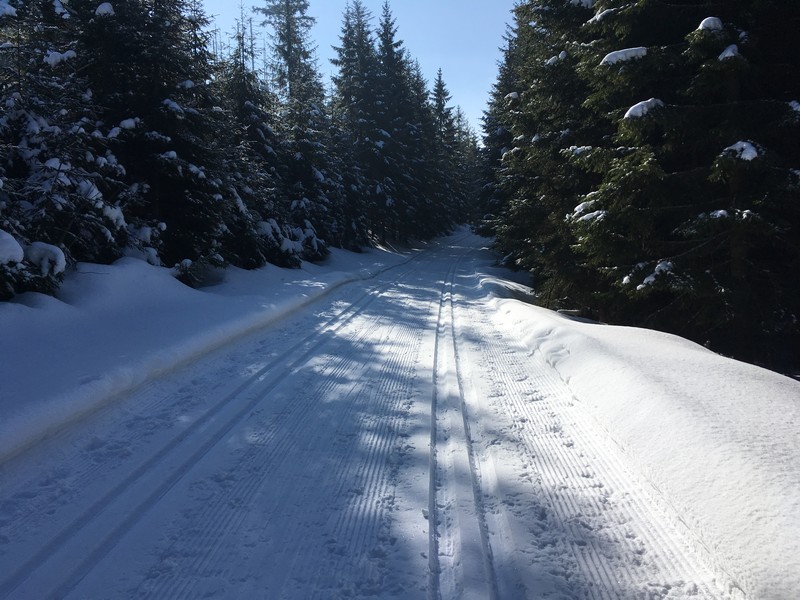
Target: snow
[173,106]
[731,51]
[7,10]
[600,461]
[10,250]
[117,326]
[640,109]
[554,59]
[742,150]
[128,123]
[583,3]
[710,24]
[720,439]
[664,266]
[54,57]
[617,56]
[602,15]
[795,105]
[105,10]
[512,96]
[49,258]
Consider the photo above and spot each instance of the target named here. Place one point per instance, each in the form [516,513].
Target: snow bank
[115,327]
[719,440]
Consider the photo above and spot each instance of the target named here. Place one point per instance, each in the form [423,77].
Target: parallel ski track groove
[61,539]
[565,462]
[436,518]
[287,427]
[474,470]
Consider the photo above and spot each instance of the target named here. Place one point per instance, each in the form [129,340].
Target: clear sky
[462,37]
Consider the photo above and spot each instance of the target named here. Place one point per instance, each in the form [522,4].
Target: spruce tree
[60,198]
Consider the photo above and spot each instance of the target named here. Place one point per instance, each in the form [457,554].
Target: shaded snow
[54,57]
[717,440]
[6,10]
[49,258]
[731,51]
[10,250]
[742,151]
[105,10]
[623,55]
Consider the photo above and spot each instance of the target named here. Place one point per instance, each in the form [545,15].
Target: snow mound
[54,57]
[10,250]
[627,54]
[742,151]
[49,258]
[640,109]
[711,24]
[105,10]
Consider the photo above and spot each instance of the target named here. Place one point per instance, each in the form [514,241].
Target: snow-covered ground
[384,425]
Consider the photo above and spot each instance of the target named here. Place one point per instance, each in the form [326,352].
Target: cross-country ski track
[391,440]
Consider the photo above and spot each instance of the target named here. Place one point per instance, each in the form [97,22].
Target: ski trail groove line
[61,539]
[474,469]
[559,460]
[288,432]
[434,567]
[450,513]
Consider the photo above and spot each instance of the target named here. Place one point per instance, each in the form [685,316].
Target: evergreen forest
[124,132]
[640,158]
[643,163]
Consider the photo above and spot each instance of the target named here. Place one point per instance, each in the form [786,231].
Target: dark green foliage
[680,213]
[121,134]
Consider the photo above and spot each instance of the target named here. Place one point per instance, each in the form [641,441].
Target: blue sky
[462,37]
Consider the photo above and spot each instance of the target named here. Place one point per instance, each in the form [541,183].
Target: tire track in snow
[70,574]
[621,548]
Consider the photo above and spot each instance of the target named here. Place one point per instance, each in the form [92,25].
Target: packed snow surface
[383,425]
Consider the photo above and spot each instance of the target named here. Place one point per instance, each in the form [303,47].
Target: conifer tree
[354,106]
[60,198]
[652,173]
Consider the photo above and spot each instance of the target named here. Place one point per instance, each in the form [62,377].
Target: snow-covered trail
[388,441]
